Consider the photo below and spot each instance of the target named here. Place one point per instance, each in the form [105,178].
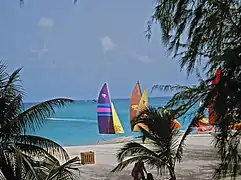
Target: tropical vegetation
[24,156]
[204,36]
[163,150]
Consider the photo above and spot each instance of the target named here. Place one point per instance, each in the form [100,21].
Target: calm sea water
[76,124]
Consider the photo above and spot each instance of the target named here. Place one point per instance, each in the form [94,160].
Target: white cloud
[142,58]
[107,43]
[46,22]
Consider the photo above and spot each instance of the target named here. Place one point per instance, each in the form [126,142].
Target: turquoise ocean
[76,124]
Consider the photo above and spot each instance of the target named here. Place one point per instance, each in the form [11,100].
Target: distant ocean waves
[74,120]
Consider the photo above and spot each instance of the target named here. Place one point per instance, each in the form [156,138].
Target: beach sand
[198,162]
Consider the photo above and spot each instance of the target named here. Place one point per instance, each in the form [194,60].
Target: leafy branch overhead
[205,36]
[199,31]
[185,97]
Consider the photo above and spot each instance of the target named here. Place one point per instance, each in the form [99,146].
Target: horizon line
[97,98]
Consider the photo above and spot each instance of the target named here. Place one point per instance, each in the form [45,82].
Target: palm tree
[164,150]
[24,156]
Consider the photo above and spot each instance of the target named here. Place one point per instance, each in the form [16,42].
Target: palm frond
[37,168]
[31,169]
[13,85]
[150,161]
[37,152]
[34,117]
[18,163]
[25,156]
[13,107]
[50,146]
[14,164]
[133,148]
[165,138]
[65,171]
[9,111]
[154,119]
[2,176]
[3,74]
[164,142]
[29,175]
[7,161]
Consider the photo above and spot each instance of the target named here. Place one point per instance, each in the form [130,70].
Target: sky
[71,50]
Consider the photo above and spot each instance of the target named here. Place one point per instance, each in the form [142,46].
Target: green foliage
[199,31]
[25,156]
[185,98]
[165,149]
[227,108]
[205,35]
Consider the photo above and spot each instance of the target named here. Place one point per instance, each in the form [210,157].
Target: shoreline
[199,159]
[201,140]
[125,139]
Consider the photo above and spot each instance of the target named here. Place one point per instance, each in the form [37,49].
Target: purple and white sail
[104,112]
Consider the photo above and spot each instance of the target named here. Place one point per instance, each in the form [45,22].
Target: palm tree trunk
[173,176]
[172,173]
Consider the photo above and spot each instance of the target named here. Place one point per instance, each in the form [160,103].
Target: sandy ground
[198,162]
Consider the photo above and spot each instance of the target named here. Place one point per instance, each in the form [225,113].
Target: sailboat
[143,104]
[108,120]
[137,102]
[134,101]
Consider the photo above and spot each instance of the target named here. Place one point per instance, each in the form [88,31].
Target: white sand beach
[198,161]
